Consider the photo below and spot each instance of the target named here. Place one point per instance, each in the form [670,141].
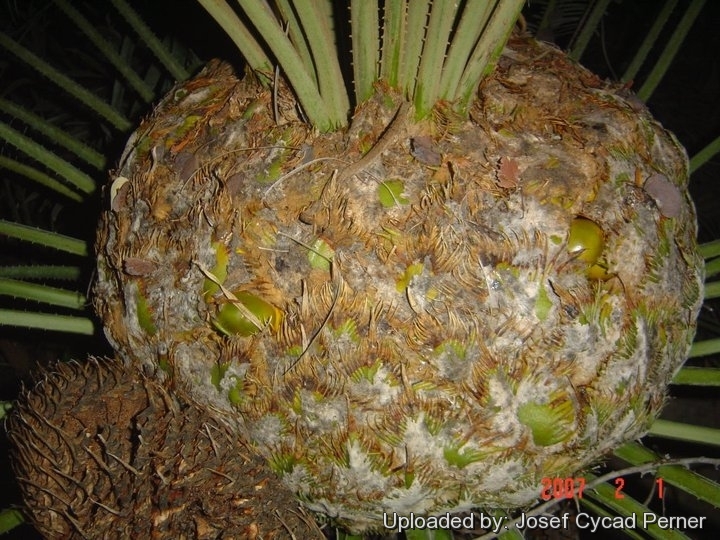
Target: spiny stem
[429,51]
[35,175]
[294,30]
[319,93]
[472,22]
[327,66]
[44,238]
[671,49]
[393,38]
[143,89]
[414,32]
[47,321]
[442,17]
[488,49]
[42,293]
[364,27]
[52,161]
[76,146]
[240,35]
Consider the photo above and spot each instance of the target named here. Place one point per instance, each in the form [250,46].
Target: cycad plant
[454,275]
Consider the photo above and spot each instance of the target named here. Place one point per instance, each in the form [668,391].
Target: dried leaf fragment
[508,175]
[423,149]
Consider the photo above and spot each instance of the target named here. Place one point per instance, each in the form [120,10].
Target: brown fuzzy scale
[450,351]
[101,451]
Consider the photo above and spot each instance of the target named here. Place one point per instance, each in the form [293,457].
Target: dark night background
[687,102]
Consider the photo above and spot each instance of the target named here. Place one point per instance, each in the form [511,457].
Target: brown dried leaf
[423,149]
[509,173]
[134,266]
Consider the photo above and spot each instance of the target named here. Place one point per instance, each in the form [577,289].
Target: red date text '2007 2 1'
[569,488]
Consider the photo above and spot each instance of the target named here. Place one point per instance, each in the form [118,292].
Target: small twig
[99,461]
[289,530]
[123,463]
[338,289]
[106,507]
[220,473]
[76,524]
[295,171]
[276,109]
[212,441]
[306,246]
[391,134]
[116,458]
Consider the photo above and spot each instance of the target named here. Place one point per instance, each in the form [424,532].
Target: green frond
[38,152]
[84,152]
[698,376]
[27,272]
[42,293]
[163,53]
[118,62]
[680,476]
[48,239]
[75,89]
[671,49]
[47,321]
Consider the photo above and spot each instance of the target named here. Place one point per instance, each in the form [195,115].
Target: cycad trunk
[479,303]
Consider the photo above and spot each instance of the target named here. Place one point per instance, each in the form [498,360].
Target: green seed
[599,272]
[247,316]
[586,239]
